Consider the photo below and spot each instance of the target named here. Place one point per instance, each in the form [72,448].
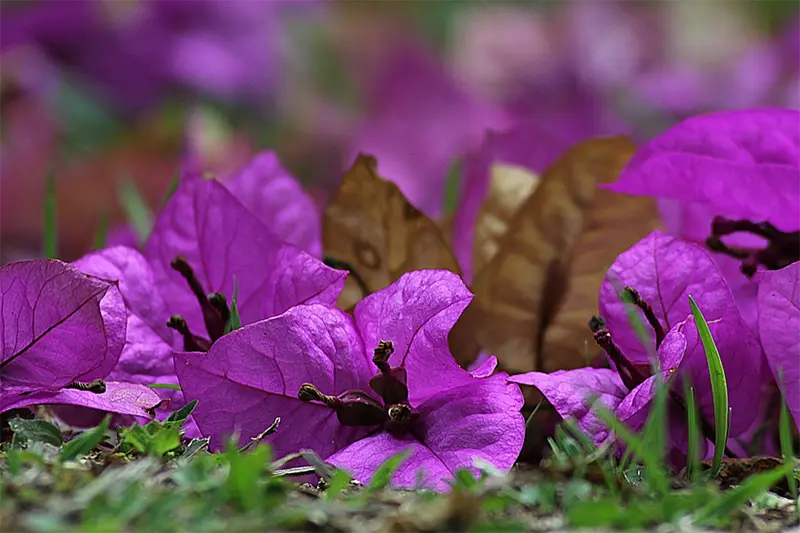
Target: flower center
[214,308]
[359,408]
[781,250]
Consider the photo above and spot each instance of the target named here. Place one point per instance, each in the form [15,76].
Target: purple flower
[62,334]
[202,239]
[659,274]
[732,181]
[312,367]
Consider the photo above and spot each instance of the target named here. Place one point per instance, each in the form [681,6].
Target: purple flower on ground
[359,389]
[732,181]
[202,239]
[62,334]
[659,274]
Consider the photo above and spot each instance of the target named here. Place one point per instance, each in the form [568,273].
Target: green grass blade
[101,233]
[173,186]
[452,186]
[657,476]
[693,455]
[136,210]
[164,386]
[719,387]
[786,447]
[50,231]
[236,321]
[384,473]
[85,442]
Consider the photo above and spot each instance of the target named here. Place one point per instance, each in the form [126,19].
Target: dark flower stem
[191,342]
[212,317]
[650,315]
[782,248]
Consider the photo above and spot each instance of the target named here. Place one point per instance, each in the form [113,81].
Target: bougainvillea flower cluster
[359,389]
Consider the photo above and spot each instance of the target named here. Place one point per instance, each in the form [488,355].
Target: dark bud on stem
[381,354]
[97,386]
[631,374]
[212,315]
[632,296]
[390,384]
[220,303]
[191,343]
[353,408]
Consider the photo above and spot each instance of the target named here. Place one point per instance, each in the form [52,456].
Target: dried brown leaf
[534,297]
[373,228]
[509,187]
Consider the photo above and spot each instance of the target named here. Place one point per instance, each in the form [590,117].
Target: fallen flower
[202,239]
[63,332]
[659,274]
[311,367]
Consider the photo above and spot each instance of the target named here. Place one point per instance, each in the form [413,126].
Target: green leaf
[785,433]
[340,481]
[164,386]
[719,387]
[50,231]
[85,442]
[101,232]
[173,186]
[153,439]
[136,209]
[245,471]
[452,186]
[234,321]
[384,473]
[183,413]
[723,507]
[34,430]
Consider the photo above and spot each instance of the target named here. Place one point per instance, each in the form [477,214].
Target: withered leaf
[371,227]
[509,187]
[535,295]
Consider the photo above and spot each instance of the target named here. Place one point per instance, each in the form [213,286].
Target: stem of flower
[97,386]
[630,374]
[650,315]
[782,248]
[191,343]
[212,317]
[309,392]
[380,356]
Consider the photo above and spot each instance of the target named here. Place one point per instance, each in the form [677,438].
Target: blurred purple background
[108,90]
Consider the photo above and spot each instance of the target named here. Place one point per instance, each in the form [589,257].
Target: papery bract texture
[221,239]
[665,271]
[416,313]
[58,324]
[779,329]
[269,191]
[252,375]
[745,164]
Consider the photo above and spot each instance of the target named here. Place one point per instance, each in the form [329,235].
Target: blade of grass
[164,386]
[50,231]
[693,454]
[652,461]
[173,186]
[136,210]
[719,387]
[85,442]
[101,232]
[236,321]
[786,448]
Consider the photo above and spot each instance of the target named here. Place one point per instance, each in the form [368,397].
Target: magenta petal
[121,398]
[135,277]
[58,325]
[269,191]
[221,239]
[779,329]
[481,420]
[665,271]
[416,313]
[483,365]
[571,391]
[252,375]
[746,164]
